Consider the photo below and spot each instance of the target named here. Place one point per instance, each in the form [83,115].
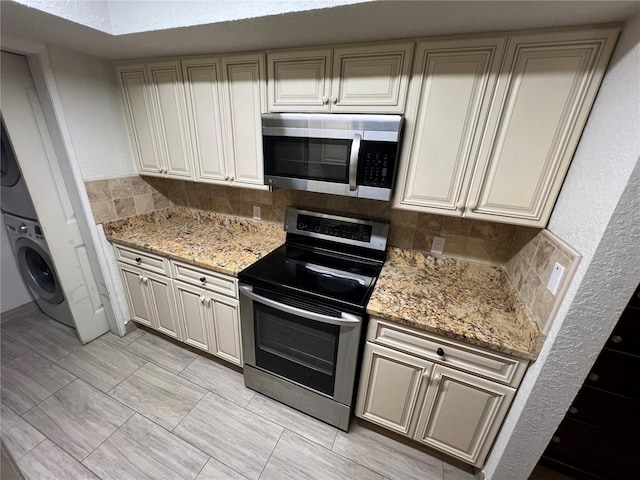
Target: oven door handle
[346,320]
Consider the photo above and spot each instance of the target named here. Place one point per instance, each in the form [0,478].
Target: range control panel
[377,163]
[334,228]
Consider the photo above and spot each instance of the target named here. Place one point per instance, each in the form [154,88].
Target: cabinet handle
[334,99]
[460,206]
[208,302]
[325,100]
[203,279]
[573,410]
[594,377]
[231,178]
[440,352]
[138,259]
[226,177]
[472,206]
[202,299]
[616,339]
[145,280]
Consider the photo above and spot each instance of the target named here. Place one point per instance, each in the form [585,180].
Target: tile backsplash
[531,262]
[474,240]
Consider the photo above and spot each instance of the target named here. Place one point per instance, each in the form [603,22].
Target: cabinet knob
[231,178]
[203,279]
[138,259]
[594,377]
[472,206]
[460,205]
[334,99]
[440,352]
[145,280]
[573,410]
[325,100]
[616,339]
[202,298]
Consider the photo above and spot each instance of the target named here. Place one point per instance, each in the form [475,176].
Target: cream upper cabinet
[492,129]
[244,100]
[140,118]
[449,100]
[545,91]
[372,79]
[156,113]
[462,414]
[203,89]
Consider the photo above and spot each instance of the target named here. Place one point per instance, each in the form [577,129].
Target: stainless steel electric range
[303,309]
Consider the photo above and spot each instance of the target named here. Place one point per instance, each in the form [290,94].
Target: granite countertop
[465,301]
[218,242]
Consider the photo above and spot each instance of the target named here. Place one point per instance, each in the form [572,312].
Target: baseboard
[23,311]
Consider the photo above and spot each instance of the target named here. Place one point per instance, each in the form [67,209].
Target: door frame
[97,249]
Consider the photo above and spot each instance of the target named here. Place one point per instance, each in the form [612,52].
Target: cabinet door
[391,385]
[545,90]
[202,82]
[193,315]
[135,291]
[225,334]
[172,132]
[140,117]
[462,414]
[299,81]
[244,99]
[448,104]
[161,302]
[371,79]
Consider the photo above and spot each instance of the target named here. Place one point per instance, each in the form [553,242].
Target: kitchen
[77,92]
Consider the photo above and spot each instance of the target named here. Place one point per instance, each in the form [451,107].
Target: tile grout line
[32,426]
[272,450]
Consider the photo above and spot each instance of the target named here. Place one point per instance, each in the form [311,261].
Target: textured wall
[601,222]
[94,114]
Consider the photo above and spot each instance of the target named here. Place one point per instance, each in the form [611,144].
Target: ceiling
[134,29]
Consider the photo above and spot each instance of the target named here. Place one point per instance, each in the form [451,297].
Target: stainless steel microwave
[353,155]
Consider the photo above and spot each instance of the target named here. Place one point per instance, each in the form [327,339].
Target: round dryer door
[37,269]
[10,169]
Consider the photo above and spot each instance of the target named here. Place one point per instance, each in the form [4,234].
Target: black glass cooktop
[329,276]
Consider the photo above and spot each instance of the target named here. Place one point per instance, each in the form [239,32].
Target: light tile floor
[142,407]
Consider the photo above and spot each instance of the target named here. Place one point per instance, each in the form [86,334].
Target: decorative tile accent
[531,263]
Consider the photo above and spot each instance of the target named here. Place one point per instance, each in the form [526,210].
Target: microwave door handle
[346,320]
[353,162]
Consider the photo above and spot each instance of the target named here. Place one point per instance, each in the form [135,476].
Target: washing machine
[14,196]
[36,266]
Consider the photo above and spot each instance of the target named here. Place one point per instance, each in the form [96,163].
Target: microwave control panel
[377,163]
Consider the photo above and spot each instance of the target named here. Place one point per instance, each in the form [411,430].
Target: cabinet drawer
[216,282]
[145,260]
[447,352]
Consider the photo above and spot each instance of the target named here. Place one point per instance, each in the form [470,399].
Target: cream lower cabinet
[150,300]
[196,306]
[445,394]
[493,123]
[210,321]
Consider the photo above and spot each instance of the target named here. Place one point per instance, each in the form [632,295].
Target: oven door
[309,345]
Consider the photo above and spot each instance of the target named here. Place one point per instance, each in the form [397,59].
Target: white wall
[13,291]
[597,213]
[93,111]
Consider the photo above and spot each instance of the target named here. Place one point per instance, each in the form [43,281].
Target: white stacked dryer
[27,239]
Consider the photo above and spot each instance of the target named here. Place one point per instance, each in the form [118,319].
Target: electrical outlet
[438,245]
[554,278]
[257,212]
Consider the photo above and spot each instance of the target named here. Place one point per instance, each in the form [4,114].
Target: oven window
[303,351]
[307,158]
